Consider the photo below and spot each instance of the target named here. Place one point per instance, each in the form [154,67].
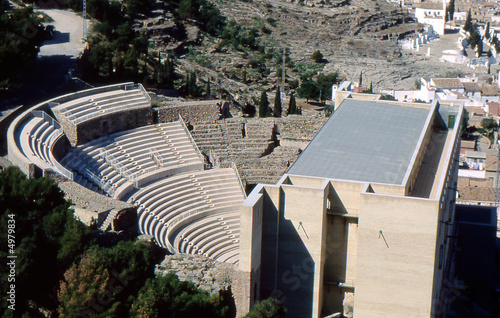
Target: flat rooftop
[364,141]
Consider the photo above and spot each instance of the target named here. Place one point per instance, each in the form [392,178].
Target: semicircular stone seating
[194,212]
[122,159]
[188,209]
[81,109]
[36,137]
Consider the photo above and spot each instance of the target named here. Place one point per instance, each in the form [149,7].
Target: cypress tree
[450,10]
[277,104]
[207,89]
[187,86]
[292,105]
[263,105]
[468,23]
[480,47]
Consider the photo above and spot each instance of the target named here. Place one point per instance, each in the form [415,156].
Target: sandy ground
[68,36]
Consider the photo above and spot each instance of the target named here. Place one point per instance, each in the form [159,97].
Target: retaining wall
[104,125]
[190,112]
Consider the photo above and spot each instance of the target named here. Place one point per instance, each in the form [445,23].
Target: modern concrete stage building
[361,222]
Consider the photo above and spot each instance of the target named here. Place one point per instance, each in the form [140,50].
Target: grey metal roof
[364,141]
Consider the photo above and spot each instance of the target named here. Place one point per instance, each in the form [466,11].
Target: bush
[317,56]
[308,90]
[268,308]
[21,35]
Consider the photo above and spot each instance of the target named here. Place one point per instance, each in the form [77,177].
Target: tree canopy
[325,82]
[268,308]
[61,269]
[308,90]
[48,237]
[166,296]
[21,35]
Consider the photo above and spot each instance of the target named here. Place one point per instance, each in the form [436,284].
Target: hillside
[354,36]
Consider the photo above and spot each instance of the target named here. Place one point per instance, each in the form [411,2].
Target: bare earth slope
[353,36]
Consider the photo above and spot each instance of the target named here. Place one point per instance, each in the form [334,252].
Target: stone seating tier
[123,158]
[187,195]
[37,137]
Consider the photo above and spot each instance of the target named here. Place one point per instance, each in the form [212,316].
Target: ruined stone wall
[105,125]
[191,113]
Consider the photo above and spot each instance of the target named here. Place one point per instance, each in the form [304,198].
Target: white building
[432,14]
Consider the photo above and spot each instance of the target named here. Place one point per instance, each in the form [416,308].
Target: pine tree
[360,78]
[371,88]
[292,105]
[263,105]
[277,104]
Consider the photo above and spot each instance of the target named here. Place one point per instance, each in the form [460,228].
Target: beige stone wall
[104,125]
[190,113]
[395,279]
[250,248]
[307,212]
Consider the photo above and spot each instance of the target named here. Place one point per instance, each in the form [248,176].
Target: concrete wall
[420,150]
[250,245]
[4,126]
[395,279]
[301,249]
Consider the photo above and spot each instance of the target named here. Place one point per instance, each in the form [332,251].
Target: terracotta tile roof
[459,95]
[471,87]
[491,163]
[359,89]
[490,90]
[469,144]
[493,108]
[430,6]
[475,109]
[447,82]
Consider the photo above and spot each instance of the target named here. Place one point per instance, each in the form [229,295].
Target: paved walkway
[68,34]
